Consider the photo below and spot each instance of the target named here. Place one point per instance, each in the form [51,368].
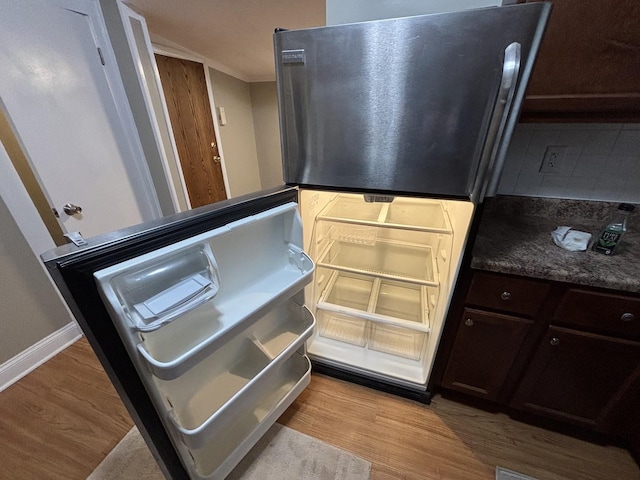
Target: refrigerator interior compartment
[351,207]
[348,232]
[401,213]
[174,349]
[249,423]
[386,259]
[167,288]
[397,341]
[342,327]
[349,290]
[403,300]
[414,213]
[386,301]
[209,396]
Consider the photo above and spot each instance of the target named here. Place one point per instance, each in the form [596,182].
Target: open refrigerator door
[384,278]
[215,326]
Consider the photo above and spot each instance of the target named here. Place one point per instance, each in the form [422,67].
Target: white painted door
[70,114]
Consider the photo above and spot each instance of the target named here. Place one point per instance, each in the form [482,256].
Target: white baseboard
[14,369]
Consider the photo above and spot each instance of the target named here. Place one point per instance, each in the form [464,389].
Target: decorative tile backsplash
[600,162]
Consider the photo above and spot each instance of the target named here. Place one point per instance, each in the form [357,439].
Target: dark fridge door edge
[72,270]
[413,106]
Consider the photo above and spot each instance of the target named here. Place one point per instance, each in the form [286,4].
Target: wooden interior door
[185,91]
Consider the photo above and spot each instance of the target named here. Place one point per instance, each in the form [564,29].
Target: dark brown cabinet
[579,377]
[588,64]
[484,351]
[555,350]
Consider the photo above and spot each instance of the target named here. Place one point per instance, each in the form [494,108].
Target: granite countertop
[515,237]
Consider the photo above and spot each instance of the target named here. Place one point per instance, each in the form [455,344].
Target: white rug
[281,454]
[504,474]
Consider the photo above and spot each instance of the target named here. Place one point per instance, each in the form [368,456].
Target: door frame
[150,206]
[190,56]
[169,153]
[134,162]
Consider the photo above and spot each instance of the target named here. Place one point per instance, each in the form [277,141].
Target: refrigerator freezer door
[401,105]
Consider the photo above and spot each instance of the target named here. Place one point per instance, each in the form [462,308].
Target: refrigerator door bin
[173,350]
[210,395]
[259,262]
[250,421]
[167,288]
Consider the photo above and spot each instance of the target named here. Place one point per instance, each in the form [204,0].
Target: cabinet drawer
[509,294]
[602,312]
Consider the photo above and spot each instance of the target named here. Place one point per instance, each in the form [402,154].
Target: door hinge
[101,56]
[76,238]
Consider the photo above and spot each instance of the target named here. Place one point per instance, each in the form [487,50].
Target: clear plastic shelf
[402,213]
[386,259]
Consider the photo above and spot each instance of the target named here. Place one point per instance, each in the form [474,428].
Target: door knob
[71,209]
[216,159]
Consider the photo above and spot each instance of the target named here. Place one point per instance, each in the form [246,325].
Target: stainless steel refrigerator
[392,133]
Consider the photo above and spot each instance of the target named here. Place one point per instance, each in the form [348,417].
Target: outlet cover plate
[553,159]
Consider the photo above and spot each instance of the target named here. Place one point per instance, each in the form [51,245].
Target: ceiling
[236,35]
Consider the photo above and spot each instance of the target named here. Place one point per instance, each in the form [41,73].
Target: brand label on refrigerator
[293,57]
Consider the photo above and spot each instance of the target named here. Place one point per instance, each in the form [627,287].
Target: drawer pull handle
[468,322]
[505,295]
[554,341]
[627,317]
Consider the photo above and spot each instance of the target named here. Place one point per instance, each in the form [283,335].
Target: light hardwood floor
[62,419]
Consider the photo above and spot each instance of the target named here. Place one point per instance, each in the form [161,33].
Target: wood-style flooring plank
[445,440]
[61,420]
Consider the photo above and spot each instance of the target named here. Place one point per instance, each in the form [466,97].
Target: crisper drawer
[601,312]
[509,294]
[204,399]
[383,315]
[250,420]
[358,331]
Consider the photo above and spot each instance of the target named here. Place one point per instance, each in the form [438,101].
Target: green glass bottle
[610,235]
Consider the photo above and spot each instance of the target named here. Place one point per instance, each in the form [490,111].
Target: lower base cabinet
[579,377]
[572,355]
[484,350]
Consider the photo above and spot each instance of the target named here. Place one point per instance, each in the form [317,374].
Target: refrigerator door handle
[494,152]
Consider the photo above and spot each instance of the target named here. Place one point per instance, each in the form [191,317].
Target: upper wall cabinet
[588,65]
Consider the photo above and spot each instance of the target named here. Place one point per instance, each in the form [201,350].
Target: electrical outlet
[553,159]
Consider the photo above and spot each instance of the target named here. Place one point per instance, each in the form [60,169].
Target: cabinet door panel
[578,377]
[588,62]
[483,352]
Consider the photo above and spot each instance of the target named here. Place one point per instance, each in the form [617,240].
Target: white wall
[601,162]
[350,11]
[237,136]
[264,101]
[31,306]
